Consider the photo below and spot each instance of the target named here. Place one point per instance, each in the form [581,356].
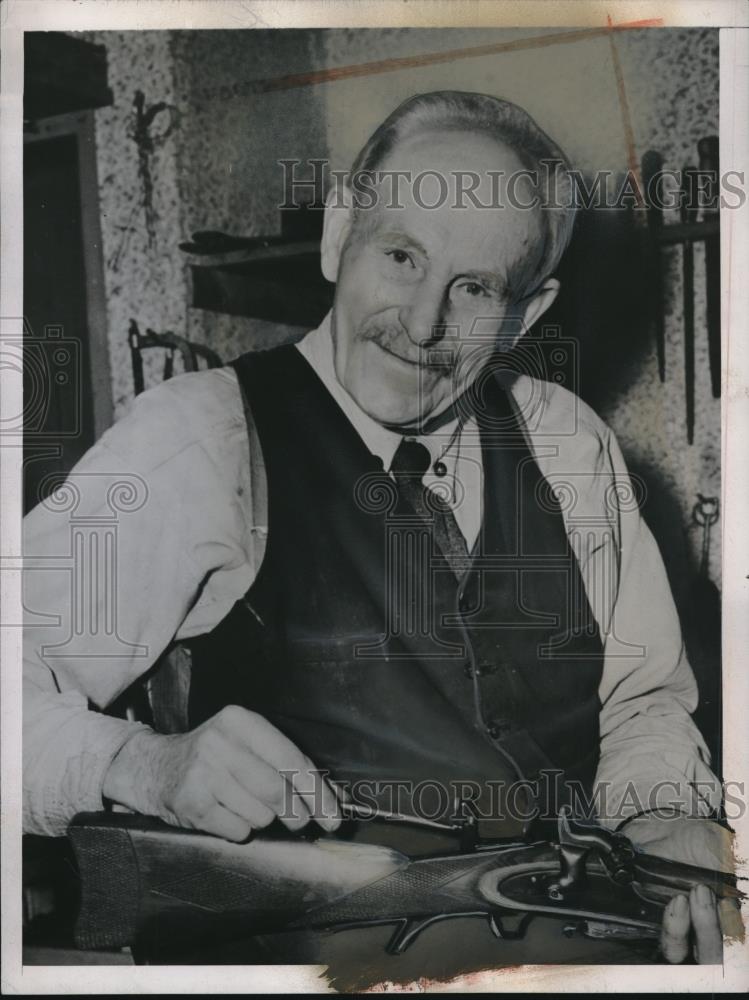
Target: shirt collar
[317,348]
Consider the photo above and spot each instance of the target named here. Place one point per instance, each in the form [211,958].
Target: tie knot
[411,459]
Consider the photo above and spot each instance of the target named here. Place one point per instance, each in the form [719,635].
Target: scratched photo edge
[733,132]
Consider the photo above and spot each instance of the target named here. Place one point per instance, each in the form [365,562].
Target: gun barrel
[663,878]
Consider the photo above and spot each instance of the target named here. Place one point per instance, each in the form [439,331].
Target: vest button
[498,729]
[468,671]
[479,669]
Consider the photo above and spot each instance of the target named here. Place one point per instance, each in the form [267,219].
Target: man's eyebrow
[400,239]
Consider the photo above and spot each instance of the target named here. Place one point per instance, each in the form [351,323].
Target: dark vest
[358,642]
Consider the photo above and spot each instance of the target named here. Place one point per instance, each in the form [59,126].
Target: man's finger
[708,938]
[731,923]
[223,823]
[320,799]
[234,797]
[263,782]
[675,930]
[270,744]
[323,802]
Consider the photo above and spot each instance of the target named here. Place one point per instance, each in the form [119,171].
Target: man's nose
[423,317]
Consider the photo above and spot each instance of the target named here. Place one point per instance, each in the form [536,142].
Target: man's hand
[234,774]
[699,921]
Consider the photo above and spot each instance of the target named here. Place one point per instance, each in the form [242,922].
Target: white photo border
[732,18]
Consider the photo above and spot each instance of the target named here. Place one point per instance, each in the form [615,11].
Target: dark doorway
[57,384]
[63,355]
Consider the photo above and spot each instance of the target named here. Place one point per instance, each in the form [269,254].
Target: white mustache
[396,341]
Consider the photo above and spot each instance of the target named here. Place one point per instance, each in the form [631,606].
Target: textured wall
[218,170]
[231,141]
[672,85]
[145,278]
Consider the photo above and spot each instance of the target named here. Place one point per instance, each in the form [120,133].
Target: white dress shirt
[115,573]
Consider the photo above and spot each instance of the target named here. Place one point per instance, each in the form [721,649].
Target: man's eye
[399,256]
[473,289]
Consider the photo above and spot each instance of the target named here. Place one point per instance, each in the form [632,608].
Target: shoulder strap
[258,484]
[169,685]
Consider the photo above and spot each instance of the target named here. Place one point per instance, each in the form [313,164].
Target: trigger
[512,931]
[407,932]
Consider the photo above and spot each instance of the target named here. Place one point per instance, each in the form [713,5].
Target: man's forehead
[437,234]
[454,156]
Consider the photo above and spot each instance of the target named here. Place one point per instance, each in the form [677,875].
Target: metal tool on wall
[708,151]
[148,139]
[705,513]
[688,214]
[699,192]
[701,618]
[652,165]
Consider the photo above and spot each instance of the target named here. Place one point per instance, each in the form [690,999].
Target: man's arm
[652,754]
[176,558]
[175,535]
[647,688]
[654,760]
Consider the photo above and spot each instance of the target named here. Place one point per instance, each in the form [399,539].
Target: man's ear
[337,222]
[523,314]
[540,302]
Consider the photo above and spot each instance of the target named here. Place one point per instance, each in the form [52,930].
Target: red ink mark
[629,135]
[648,22]
[337,73]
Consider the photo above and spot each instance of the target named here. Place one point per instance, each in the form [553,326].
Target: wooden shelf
[270,278]
[63,73]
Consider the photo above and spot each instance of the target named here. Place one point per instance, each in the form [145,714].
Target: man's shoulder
[197,408]
[554,413]
[205,397]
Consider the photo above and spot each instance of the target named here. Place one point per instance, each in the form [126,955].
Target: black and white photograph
[374,572]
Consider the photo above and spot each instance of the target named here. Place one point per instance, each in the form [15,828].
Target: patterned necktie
[410,462]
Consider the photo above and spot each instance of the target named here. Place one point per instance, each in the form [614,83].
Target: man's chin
[388,389]
[389,408]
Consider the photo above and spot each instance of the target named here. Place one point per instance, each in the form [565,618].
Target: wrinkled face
[422,292]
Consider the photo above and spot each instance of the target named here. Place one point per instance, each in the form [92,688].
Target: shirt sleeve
[114,562]
[652,754]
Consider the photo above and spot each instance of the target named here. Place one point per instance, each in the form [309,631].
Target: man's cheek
[369,288]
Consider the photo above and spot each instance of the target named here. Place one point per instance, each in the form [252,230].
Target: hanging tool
[705,513]
[688,214]
[147,141]
[651,166]
[708,153]
[701,616]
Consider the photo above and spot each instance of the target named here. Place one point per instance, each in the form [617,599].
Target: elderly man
[428,613]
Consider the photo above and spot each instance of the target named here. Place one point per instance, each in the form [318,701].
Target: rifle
[141,880]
